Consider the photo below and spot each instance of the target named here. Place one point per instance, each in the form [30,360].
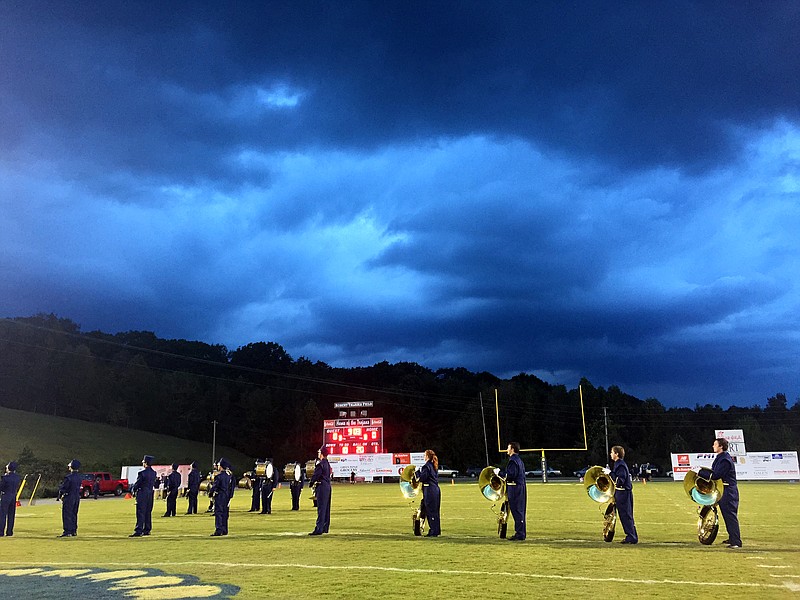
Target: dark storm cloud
[571,189]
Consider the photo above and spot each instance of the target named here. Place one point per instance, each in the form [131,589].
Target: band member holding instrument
[296,487]
[270,482]
[173,486]
[222,492]
[431,495]
[322,477]
[516,490]
[256,481]
[146,483]
[69,492]
[194,489]
[724,468]
[623,494]
[9,486]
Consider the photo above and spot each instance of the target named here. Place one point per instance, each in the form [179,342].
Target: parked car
[581,472]
[538,473]
[473,471]
[445,472]
[108,484]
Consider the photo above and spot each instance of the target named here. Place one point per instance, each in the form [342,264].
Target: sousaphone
[600,488]
[706,492]
[410,487]
[493,488]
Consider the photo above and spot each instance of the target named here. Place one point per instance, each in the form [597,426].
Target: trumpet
[705,492]
[494,488]
[600,487]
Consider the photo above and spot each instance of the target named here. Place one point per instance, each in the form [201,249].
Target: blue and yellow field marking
[141,584]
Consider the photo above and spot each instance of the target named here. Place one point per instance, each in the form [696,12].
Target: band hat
[148,460]
[194,465]
[174,466]
[224,463]
[324,451]
[74,464]
[12,466]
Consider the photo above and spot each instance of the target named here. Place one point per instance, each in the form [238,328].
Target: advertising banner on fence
[368,467]
[751,466]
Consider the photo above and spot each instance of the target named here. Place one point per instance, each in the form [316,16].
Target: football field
[371,551]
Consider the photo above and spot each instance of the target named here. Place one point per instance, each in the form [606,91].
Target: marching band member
[322,477]
[9,486]
[724,468]
[194,489]
[623,494]
[268,485]
[173,485]
[517,491]
[296,487]
[146,483]
[431,495]
[222,492]
[257,482]
[69,492]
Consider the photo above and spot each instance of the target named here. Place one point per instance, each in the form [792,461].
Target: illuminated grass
[371,551]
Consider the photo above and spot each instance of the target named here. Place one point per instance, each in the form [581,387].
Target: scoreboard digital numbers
[354,436]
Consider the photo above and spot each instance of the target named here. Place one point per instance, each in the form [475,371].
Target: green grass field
[371,551]
[96,444]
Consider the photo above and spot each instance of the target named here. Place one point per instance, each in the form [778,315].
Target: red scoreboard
[354,436]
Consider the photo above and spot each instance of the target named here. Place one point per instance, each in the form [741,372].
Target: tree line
[268,404]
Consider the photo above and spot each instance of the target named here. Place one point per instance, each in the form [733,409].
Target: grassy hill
[98,446]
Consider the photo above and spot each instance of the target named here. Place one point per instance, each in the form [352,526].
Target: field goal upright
[543,450]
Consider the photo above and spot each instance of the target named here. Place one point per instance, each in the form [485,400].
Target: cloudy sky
[607,190]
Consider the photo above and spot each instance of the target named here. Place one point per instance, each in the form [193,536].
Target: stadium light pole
[214,443]
[605,426]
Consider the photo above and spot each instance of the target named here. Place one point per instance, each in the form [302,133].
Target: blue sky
[600,190]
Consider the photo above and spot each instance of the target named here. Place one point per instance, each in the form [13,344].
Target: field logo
[144,584]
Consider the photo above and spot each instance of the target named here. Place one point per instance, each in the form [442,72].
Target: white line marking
[459,572]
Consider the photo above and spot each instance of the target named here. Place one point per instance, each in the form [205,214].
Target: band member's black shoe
[145,533]
[629,542]
[315,533]
[65,534]
[216,534]
[135,535]
[728,542]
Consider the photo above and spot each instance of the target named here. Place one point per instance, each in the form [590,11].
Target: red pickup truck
[108,485]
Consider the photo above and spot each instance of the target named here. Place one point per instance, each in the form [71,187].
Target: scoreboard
[354,436]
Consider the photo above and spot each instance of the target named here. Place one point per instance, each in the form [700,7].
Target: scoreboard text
[354,436]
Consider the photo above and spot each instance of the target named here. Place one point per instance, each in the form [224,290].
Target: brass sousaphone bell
[493,488]
[705,492]
[410,487]
[600,488]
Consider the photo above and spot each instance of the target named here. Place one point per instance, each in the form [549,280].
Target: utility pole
[214,444]
[605,426]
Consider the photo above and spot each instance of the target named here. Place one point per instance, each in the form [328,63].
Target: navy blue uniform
[146,482]
[623,498]
[174,486]
[194,489]
[70,494]
[9,486]
[296,487]
[724,468]
[222,492]
[517,494]
[322,477]
[267,491]
[96,487]
[255,502]
[431,497]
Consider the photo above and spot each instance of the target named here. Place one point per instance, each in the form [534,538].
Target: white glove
[606,471]
[496,471]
